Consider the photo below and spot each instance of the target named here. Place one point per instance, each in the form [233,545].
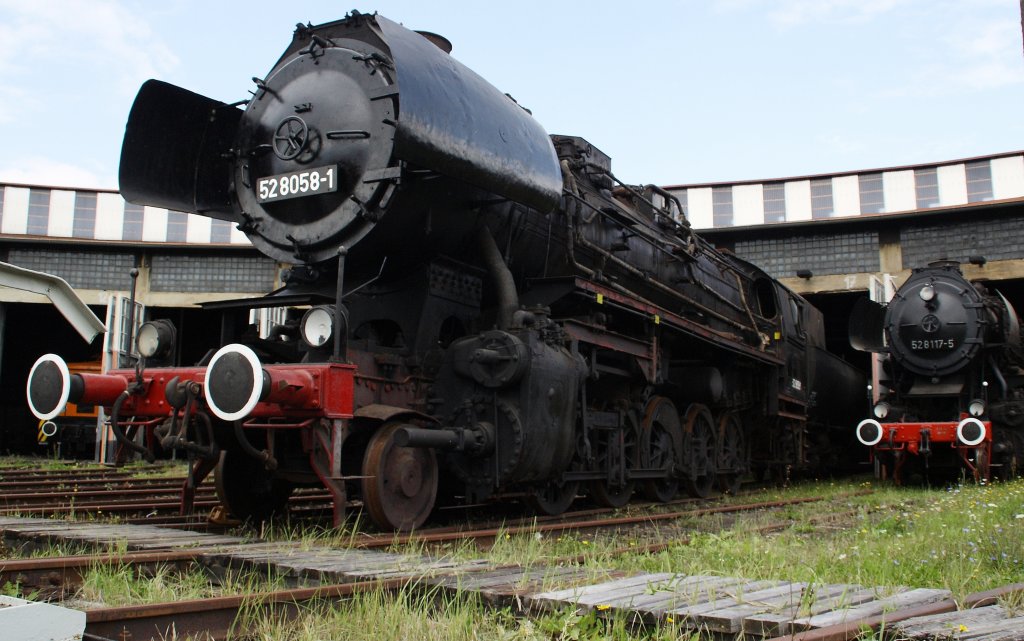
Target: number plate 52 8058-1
[296,184]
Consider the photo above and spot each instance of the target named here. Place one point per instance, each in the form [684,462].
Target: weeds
[965,539]
[1013,603]
[122,584]
[423,613]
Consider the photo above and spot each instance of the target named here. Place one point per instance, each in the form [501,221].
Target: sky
[676,92]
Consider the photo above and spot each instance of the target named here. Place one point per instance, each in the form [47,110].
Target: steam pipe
[1003,390]
[340,328]
[610,257]
[134,273]
[263,456]
[508,298]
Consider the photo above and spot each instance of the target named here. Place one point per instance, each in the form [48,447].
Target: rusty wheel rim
[733,455]
[400,487]
[699,429]
[662,431]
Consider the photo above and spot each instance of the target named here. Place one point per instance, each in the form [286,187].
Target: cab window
[764,291]
[796,312]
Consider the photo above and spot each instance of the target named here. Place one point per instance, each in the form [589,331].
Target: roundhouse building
[835,237]
[831,237]
[94,239]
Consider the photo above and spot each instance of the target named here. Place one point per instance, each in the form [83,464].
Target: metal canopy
[59,292]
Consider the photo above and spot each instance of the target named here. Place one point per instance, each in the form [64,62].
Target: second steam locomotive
[953,377]
[488,312]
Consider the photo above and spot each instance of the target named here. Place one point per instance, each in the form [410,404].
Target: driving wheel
[661,441]
[554,497]
[733,454]
[400,484]
[699,455]
[616,459]
[248,489]
[1009,460]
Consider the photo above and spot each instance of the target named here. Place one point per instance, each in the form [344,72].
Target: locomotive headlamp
[156,338]
[317,326]
[976,407]
[927,293]
[881,409]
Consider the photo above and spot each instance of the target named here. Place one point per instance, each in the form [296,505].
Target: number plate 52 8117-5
[296,184]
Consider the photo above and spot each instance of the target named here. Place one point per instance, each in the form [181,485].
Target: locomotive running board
[658,315]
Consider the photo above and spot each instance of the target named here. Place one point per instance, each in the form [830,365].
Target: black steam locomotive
[953,380]
[488,311]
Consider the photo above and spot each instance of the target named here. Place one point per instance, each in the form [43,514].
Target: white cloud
[42,37]
[67,68]
[973,56]
[798,12]
[40,170]
[991,53]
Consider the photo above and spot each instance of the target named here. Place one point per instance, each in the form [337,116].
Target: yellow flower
[962,628]
[603,606]
[670,619]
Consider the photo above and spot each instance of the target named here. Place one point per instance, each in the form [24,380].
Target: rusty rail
[216,617]
[53,577]
[490,533]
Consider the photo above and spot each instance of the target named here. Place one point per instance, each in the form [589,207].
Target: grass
[962,538]
[119,584]
[45,462]
[122,584]
[965,539]
[433,616]
[48,549]
[52,463]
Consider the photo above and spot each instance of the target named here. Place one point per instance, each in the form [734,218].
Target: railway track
[588,520]
[217,618]
[137,496]
[345,573]
[150,495]
[53,578]
[101,493]
[57,578]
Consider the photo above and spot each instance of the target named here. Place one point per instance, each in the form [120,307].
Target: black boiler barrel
[364,134]
[453,121]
